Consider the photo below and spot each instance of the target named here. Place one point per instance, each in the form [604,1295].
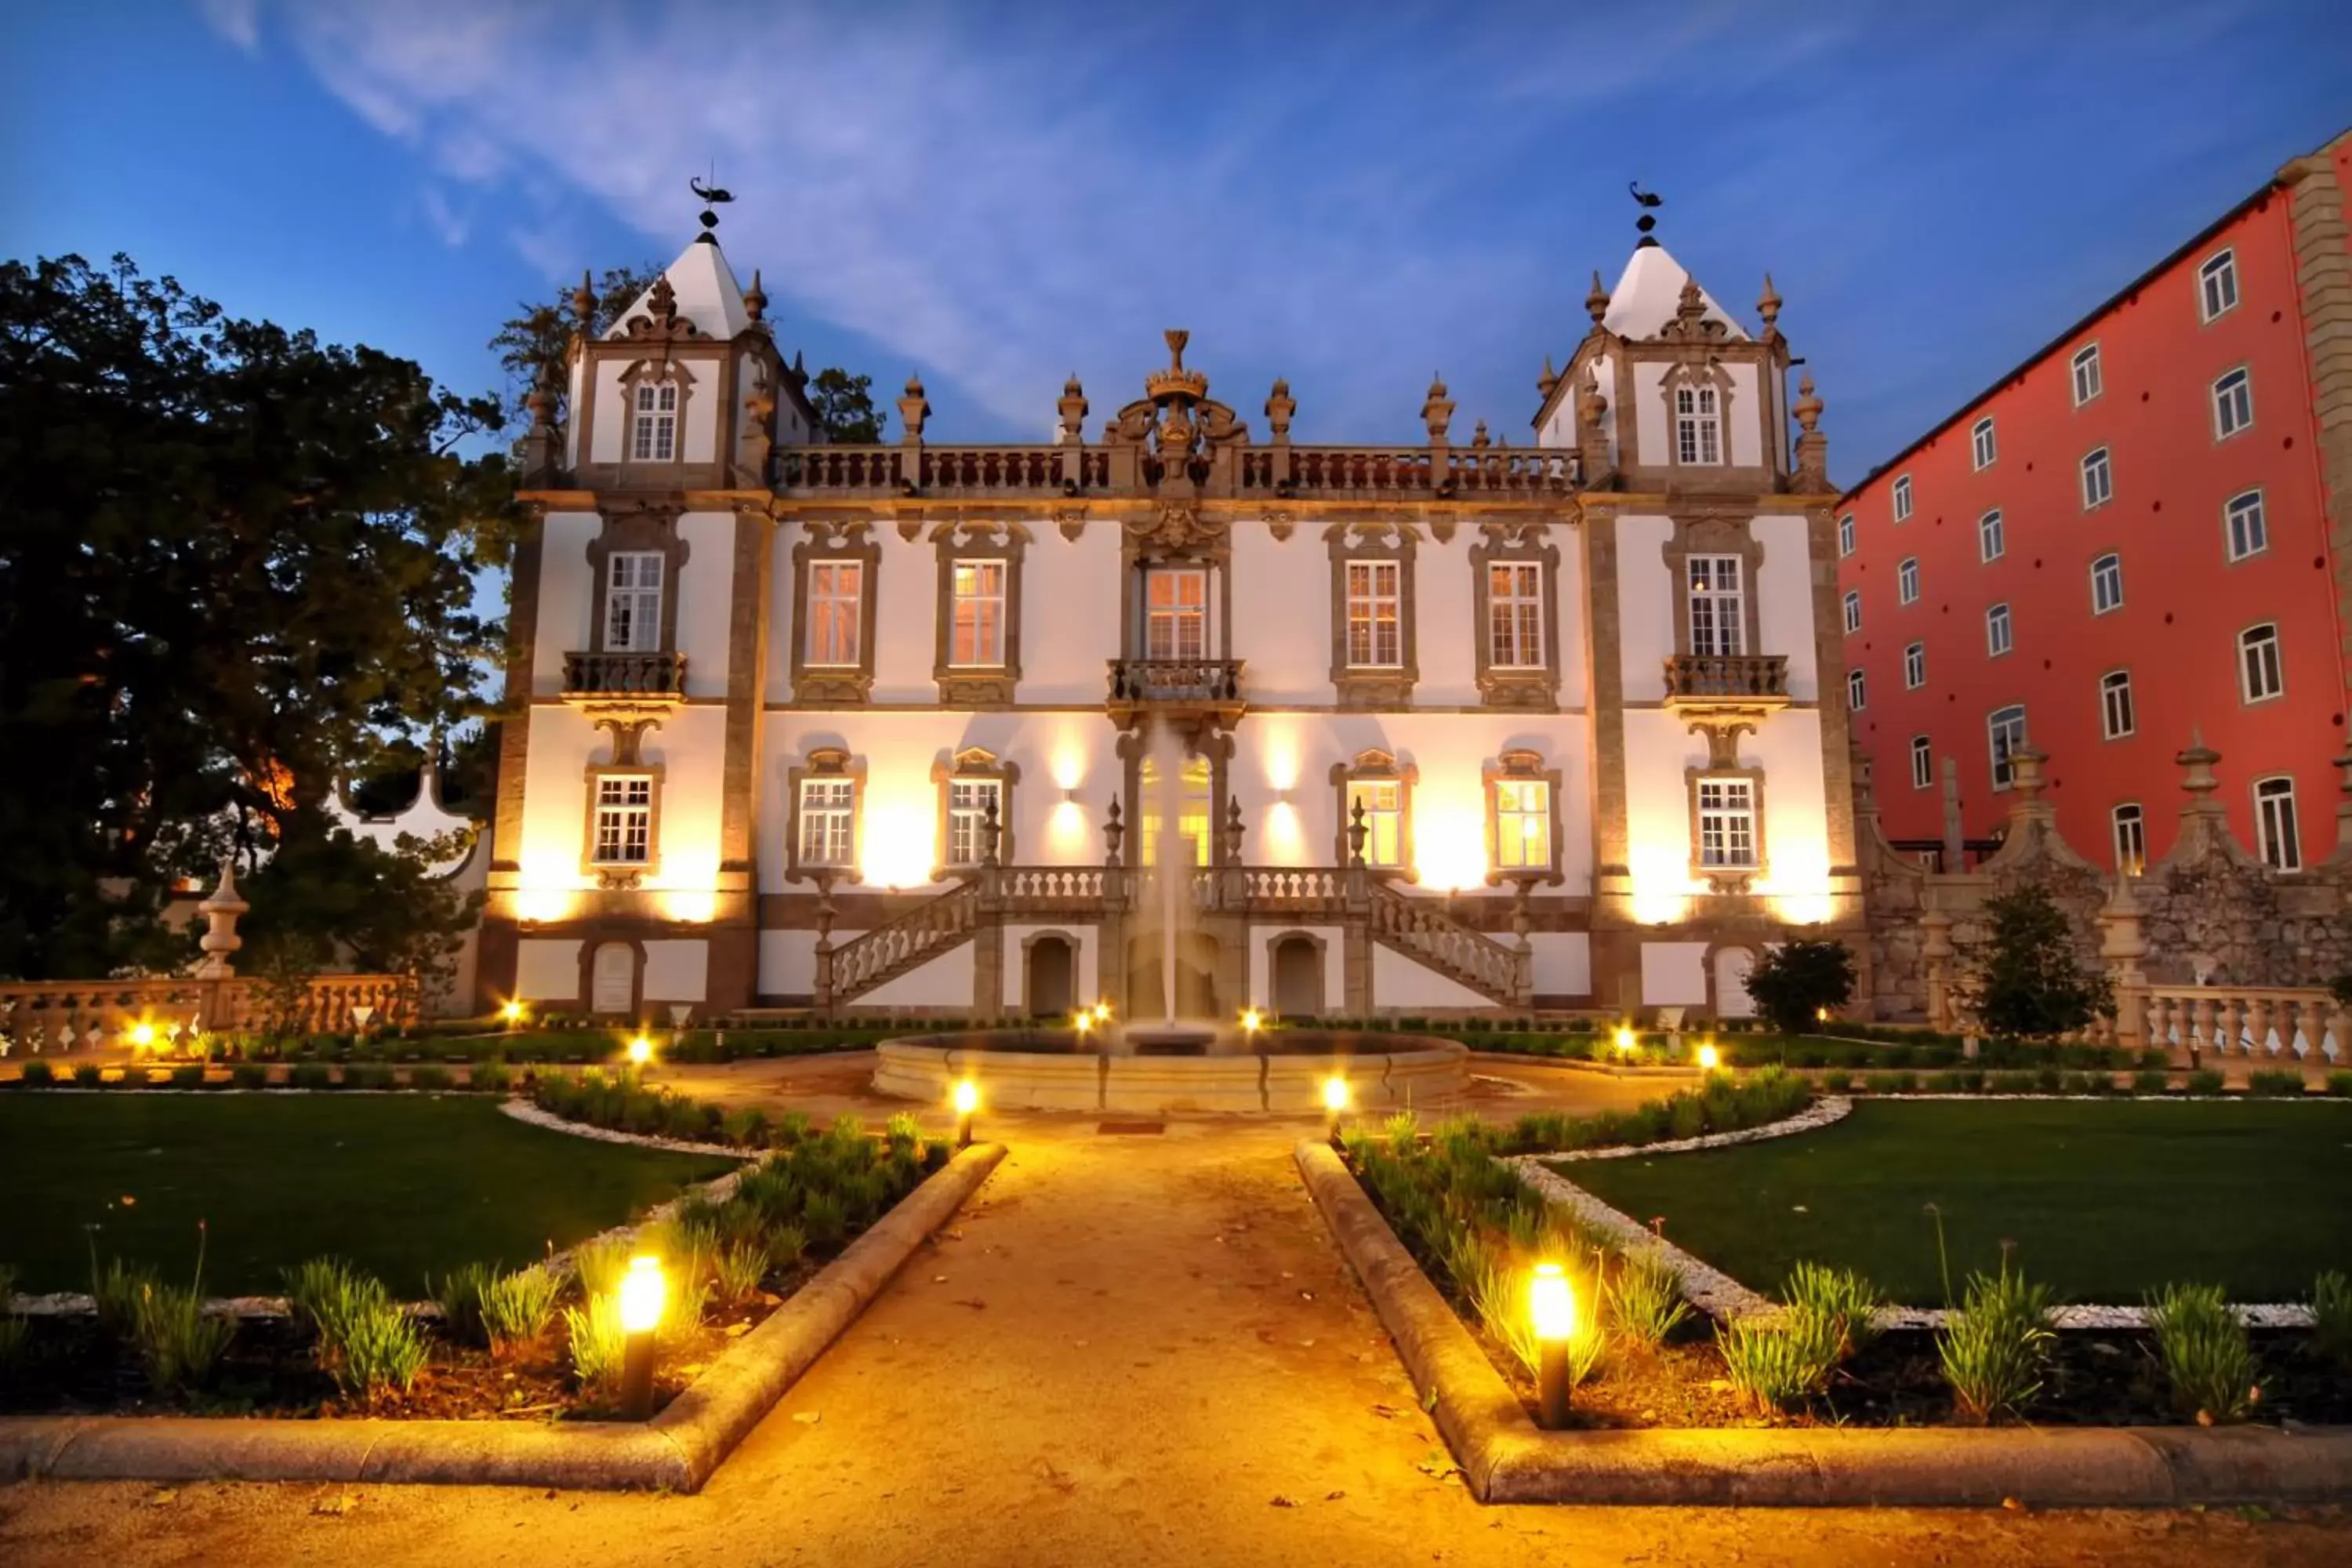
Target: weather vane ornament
[712,196]
[1648,220]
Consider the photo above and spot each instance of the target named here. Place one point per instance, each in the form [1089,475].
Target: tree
[327,896]
[2027,979]
[539,337]
[236,565]
[844,408]
[1793,981]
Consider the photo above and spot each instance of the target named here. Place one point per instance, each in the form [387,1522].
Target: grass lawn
[397,1183]
[2105,1201]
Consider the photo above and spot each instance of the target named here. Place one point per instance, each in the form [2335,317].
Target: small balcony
[1185,691]
[637,679]
[1699,683]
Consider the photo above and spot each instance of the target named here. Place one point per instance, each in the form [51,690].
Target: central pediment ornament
[1175,529]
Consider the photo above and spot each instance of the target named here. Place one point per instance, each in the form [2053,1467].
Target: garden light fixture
[1252,1021]
[1710,1058]
[1552,1309]
[1625,1041]
[1335,1100]
[1082,1021]
[643,1294]
[967,1101]
[1102,1012]
[641,1051]
[511,1012]
[143,1036]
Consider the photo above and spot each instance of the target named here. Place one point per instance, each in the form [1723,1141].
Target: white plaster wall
[1261,973]
[1446,630]
[706,591]
[555,804]
[1573,618]
[782,627]
[1657,810]
[1784,587]
[677,971]
[906,613]
[567,596]
[546,969]
[1069,612]
[698,436]
[1650,412]
[1673,974]
[944,982]
[575,379]
[1563,962]
[1741,418]
[1645,604]
[1085,973]
[1282,616]
[1398,983]
[788,962]
[610,416]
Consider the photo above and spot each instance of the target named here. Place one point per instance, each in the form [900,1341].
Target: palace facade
[1451,726]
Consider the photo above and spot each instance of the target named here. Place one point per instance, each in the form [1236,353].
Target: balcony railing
[851,471]
[1367,472]
[1176,688]
[1694,679]
[640,677]
[1270,473]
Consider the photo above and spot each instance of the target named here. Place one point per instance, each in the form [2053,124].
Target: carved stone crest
[1175,529]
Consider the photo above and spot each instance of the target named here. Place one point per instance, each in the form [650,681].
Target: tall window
[1845,534]
[1176,618]
[2216,285]
[1514,615]
[2107,583]
[1997,632]
[828,823]
[1716,604]
[837,594]
[1980,443]
[1902,497]
[2099,480]
[654,436]
[2088,383]
[1853,609]
[1384,804]
[977,626]
[2115,719]
[1726,823]
[1857,693]
[970,800]
[1915,666]
[2274,825]
[2131,838]
[2005,734]
[624,819]
[633,594]
[1698,425]
[2233,403]
[2248,533]
[1992,542]
[1922,762]
[1375,609]
[1522,824]
[2260,677]
[1906,579]
[1192,811]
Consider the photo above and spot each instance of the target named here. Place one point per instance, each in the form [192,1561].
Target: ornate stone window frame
[1698,372]
[973,763]
[977,685]
[1374,686]
[1376,766]
[650,530]
[655,371]
[1515,543]
[830,685]
[1273,942]
[1519,763]
[1715,534]
[1728,879]
[624,760]
[825,763]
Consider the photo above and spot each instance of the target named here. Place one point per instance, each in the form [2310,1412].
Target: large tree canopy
[236,565]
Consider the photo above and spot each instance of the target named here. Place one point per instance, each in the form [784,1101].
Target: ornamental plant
[1995,1347]
[2208,1361]
[1793,981]
[2028,979]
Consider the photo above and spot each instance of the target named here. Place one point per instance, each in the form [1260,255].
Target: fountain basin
[1044,1071]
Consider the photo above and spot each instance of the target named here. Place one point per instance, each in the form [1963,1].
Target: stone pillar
[1955,839]
[2122,945]
[216,974]
[821,987]
[1356,944]
[1523,961]
[1937,950]
[988,930]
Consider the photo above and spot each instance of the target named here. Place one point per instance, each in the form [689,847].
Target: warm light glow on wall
[1450,849]
[1066,827]
[1069,764]
[1662,884]
[1278,745]
[1799,888]
[686,904]
[897,852]
[1802,908]
[1282,842]
[546,904]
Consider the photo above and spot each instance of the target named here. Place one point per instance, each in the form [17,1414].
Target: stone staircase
[874,958]
[1422,931]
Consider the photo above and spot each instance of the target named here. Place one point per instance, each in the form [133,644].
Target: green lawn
[2105,1201]
[398,1183]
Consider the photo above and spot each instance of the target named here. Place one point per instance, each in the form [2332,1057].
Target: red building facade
[2141,534]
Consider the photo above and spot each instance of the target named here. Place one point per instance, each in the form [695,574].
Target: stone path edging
[1505,1459]
[677,1450]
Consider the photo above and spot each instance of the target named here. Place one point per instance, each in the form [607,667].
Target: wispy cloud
[239,21]
[442,218]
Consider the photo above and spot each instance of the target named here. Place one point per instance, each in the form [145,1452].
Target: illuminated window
[1514,615]
[1384,804]
[836,591]
[633,597]
[2274,824]
[1902,498]
[1906,579]
[1980,443]
[2233,403]
[1915,666]
[624,819]
[2260,676]
[1726,823]
[2099,480]
[1698,427]
[977,626]
[2115,719]
[1997,631]
[1922,763]
[2249,534]
[1176,612]
[2216,285]
[828,823]
[653,438]
[1191,811]
[1522,824]
[969,803]
[1375,614]
[2107,583]
[1716,605]
[1992,542]
[2131,838]
[2088,381]
[2005,735]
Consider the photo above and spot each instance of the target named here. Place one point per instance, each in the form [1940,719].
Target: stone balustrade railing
[1209,681]
[1421,929]
[1374,472]
[57,1016]
[967,470]
[870,958]
[1050,890]
[1276,472]
[2288,1024]
[1738,676]
[641,675]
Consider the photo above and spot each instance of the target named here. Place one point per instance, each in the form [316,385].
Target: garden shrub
[737,1271]
[311,1075]
[598,1342]
[1793,981]
[250,1075]
[1645,1298]
[178,1345]
[2275,1083]
[1772,1365]
[381,1350]
[115,1290]
[746,1128]
[330,1296]
[517,1306]
[367,1075]
[2150,1080]
[2205,1082]
[430,1078]
[489,1077]
[2012,1083]
[2331,1320]
[600,1263]
[1837,1082]
[1995,1347]
[88,1075]
[459,1296]
[2047,1080]
[2209,1364]
[2339,1084]
[2028,979]
[1842,1305]
[37,1074]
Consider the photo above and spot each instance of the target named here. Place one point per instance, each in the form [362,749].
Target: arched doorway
[1196,978]
[1297,965]
[612,979]
[1049,984]
[1731,967]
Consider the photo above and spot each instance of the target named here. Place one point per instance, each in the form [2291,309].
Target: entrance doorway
[1731,998]
[1298,977]
[612,979]
[1049,985]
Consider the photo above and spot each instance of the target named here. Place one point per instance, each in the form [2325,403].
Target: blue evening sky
[1349,195]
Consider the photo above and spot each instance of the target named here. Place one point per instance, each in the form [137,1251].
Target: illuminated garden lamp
[511,1012]
[1710,1058]
[1821,1015]
[1251,1022]
[1102,1012]
[142,1037]
[643,1294]
[1083,1020]
[1625,1042]
[641,1051]
[1552,1309]
[967,1101]
[1335,1100]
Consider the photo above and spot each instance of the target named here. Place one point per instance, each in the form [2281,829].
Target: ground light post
[1710,1058]
[641,1052]
[643,1289]
[1335,1101]
[967,1101]
[1551,1305]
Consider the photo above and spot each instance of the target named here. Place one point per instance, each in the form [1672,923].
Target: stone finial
[1232,832]
[583,305]
[913,409]
[755,299]
[2025,775]
[2197,762]
[1812,447]
[1072,408]
[1279,406]
[1594,403]
[1437,410]
[541,399]
[1481,441]
[991,832]
[1690,307]
[1112,832]
[1356,834]
[1547,380]
[220,908]
[1767,305]
[663,302]
[1596,303]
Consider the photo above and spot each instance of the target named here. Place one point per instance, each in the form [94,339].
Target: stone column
[1356,944]
[1937,950]
[2121,944]
[216,975]
[821,987]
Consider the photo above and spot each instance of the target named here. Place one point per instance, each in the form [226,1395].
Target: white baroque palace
[1445,727]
